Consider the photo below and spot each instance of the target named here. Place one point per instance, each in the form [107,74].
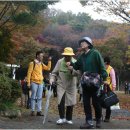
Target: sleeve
[113,78]
[102,68]
[48,67]
[75,72]
[29,73]
[78,64]
[55,72]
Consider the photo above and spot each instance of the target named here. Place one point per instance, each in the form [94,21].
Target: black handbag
[91,81]
[107,97]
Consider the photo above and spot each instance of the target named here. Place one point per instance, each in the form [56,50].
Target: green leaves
[24,18]
[5,45]
[9,89]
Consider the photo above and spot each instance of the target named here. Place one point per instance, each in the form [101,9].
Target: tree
[5,45]
[80,21]
[117,7]
[13,13]
[115,48]
[27,52]
[128,58]
[96,31]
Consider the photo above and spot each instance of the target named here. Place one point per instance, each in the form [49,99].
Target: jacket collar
[37,62]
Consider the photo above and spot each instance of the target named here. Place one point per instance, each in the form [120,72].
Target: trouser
[55,91]
[108,113]
[61,108]
[126,91]
[36,94]
[87,95]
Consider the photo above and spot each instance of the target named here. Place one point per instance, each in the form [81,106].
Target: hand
[105,83]
[68,64]
[70,68]
[28,85]
[50,58]
[113,88]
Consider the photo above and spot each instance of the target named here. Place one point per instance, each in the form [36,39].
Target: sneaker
[98,123]
[106,120]
[39,114]
[32,113]
[87,125]
[61,121]
[69,122]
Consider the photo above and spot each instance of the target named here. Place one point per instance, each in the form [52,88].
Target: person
[129,88]
[66,80]
[90,61]
[111,81]
[35,81]
[126,87]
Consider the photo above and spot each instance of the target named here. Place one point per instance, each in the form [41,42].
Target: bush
[9,89]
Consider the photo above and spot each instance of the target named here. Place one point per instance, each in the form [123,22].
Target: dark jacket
[91,62]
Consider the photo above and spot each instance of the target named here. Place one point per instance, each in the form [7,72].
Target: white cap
[87,39]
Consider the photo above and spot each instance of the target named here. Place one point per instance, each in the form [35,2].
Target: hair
[38,53]
[107,60]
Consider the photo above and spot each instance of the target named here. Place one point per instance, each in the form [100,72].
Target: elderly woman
[66,78]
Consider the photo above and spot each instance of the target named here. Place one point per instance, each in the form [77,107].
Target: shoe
[61,121]
[39,114]
[32,113]
[98,123]
[69,122]
[106,120]
[87,125]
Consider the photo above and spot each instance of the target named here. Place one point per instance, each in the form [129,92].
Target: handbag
[107,97]
[91,81]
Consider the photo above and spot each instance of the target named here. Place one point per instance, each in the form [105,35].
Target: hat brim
[68,54]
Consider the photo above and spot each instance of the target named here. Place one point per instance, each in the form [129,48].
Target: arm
[77,65]
[48,67]
[102,68]
[55,73]
[29,73]
[75,72]
[113,78]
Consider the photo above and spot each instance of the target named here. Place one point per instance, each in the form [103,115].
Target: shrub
[9,89]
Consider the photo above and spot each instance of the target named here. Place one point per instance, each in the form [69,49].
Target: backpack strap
[34,64]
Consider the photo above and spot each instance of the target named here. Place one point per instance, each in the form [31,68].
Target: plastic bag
[115,107]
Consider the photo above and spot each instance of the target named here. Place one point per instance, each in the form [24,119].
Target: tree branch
[5,10]
[13,13]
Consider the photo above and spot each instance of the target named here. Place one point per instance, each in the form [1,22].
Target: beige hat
[68,51]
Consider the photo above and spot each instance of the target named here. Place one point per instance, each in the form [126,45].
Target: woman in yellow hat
[66,78]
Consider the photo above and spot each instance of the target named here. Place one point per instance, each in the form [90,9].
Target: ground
[120,118]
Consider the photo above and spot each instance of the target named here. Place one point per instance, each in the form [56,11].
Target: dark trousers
[61,108]
[108,113]
[87,95]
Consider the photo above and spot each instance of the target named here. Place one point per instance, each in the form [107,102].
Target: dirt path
[29,122]
[120,119]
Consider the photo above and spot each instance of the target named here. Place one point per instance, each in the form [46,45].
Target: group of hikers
[64,75]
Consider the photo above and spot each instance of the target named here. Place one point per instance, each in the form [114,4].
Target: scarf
[64,68]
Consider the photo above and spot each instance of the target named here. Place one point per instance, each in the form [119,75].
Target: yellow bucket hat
[68,51]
